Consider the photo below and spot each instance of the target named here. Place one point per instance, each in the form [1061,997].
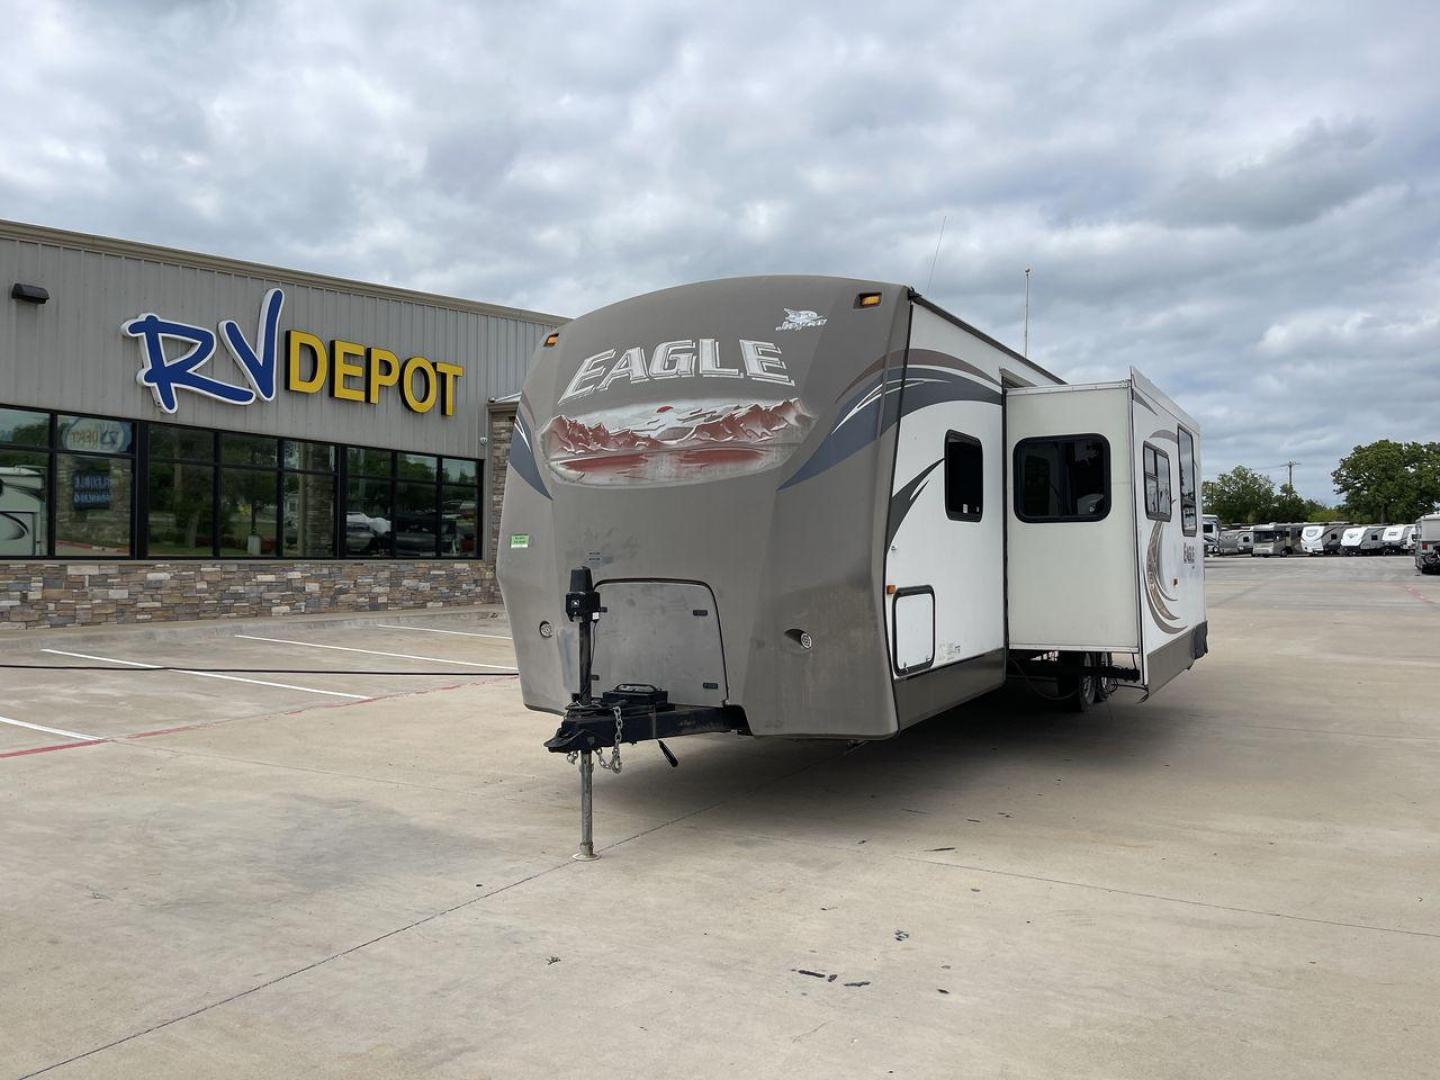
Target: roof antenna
[1025,350]
[938,242]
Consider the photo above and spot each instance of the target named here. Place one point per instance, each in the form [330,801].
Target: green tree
[1290,505]
[1388,481]
[1240,495]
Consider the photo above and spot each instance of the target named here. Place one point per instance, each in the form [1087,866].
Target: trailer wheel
[1079,691]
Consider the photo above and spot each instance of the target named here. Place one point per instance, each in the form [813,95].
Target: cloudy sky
[1241,199]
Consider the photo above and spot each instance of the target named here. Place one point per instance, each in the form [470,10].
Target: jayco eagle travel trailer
[1322,539]
[822,507]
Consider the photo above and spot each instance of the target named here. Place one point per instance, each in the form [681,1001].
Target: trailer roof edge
[931,306]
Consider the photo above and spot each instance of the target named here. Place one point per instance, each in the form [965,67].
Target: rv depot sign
[352,371]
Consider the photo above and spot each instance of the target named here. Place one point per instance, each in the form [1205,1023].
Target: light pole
[1026,348]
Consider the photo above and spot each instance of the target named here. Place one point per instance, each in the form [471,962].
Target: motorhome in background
[1427,544]
[1210,533]
[1268,540]
[825,507]
[1392,540]
[1322,539]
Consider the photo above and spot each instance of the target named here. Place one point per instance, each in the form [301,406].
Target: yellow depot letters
[356,372]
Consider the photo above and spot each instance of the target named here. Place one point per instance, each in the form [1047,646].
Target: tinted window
[1189,508]
[24,517]
[92,514]
[182,443]
[964,477]
[1064,478]
[1157,483]
[24,428]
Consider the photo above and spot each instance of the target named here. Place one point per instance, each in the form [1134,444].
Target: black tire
[1078,692]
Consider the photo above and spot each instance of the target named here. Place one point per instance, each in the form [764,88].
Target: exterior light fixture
[31,294]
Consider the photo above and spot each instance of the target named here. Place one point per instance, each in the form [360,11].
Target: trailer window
[1062,478]
[1157,483]
[1189,510]
[964,477]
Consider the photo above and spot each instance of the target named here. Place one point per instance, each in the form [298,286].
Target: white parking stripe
[208,675]
[52,730]
[376,652]
[435,630]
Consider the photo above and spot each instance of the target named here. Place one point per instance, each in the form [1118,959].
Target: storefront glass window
[367,517]
[416,466]
[92,513]
[24,428]
[417,519]
[362,461]
[24,513]
[462,471]
[309,456]
[459,524]
[309,516]
[247,512]
[92,435]
[181,443]
[249,450]
[182,502]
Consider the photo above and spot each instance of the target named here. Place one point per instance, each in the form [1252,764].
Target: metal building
[184,436]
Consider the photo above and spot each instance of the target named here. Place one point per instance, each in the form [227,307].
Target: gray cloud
[1239,199]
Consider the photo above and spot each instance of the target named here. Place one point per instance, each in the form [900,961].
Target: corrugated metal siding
[70,353]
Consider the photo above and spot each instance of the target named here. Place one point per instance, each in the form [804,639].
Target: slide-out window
[1157,483]
[964,477]
[1189,508]
[1062,478]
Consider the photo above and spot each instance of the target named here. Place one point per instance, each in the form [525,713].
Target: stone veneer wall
[43,594]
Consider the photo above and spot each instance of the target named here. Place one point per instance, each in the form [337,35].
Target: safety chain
[614,763]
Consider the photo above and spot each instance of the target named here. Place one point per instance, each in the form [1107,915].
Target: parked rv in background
[1363,540]
[1393,539]
[1275,539]
[1322,539]
[1427,544]
[1408,544]
[1210,533]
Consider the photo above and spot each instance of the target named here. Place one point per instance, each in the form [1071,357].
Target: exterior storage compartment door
[664,633]
[1071,552]
[914,629]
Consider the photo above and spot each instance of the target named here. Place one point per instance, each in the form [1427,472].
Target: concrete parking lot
[1236,879]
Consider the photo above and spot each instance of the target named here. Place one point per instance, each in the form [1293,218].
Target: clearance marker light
[868,299]
[552,339]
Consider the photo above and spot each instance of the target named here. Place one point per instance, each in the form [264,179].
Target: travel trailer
[1427,544]
[22,511]
[1407,545]
[1322,539]
[821,507]
[1362,540]
[1392,540]
[1228,542]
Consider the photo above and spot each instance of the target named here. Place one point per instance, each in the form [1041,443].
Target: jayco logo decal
[353,372]
[801,320]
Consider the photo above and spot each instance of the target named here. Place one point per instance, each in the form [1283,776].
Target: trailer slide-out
[823,507]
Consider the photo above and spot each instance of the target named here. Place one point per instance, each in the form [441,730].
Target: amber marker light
[552,339]
[868,299]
